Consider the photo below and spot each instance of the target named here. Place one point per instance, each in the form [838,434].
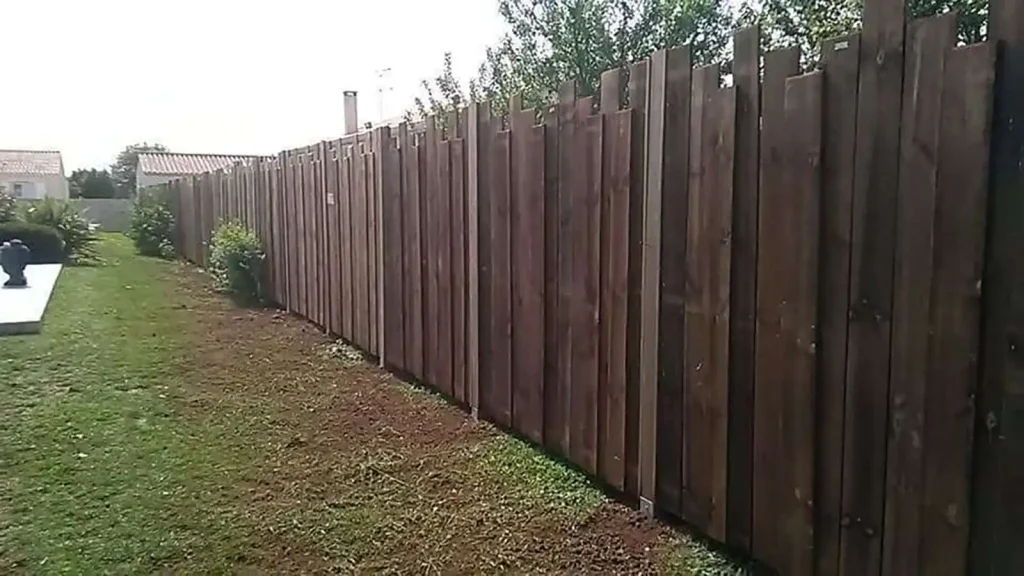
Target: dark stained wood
[928,41]
[641,413]
[746,78]
[615,295]
[347,267]
[333,237]
[765,535]
[787,306]
[671,74]
[394,308]
[372,254]
[429,191]
[527,233]
[553,408]
[443,267]
[413,262]
[560,414]
[458,260]
[708,263]
[998,510]
[871,283]
[586,228]
[952,374]
[841,64]
[499,390]
[360,251]
[607,458]
[475,180]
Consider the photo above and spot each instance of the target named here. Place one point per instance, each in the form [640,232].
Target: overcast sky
[88,77]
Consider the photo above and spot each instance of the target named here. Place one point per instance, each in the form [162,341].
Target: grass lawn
[154,427]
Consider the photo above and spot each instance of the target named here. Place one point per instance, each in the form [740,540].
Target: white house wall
[36,186]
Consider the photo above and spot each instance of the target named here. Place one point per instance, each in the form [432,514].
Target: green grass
[98,474]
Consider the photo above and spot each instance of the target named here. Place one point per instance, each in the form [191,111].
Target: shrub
[45,242]
[152,227]
[236,261]
[64,217]
[8,211]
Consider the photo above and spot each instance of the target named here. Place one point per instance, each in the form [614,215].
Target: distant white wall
[111,214]
[143,179]
[34,186]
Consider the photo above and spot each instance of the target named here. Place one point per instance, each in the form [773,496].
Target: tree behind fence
[754,305]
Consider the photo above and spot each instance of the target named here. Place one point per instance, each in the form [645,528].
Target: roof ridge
[221,155]
[47,151]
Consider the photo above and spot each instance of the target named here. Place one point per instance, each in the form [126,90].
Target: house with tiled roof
[33,174]
[160,167]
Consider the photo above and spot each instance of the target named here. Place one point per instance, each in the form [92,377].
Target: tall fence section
[755,304]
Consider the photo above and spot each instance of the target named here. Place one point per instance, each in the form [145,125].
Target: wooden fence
[756,304]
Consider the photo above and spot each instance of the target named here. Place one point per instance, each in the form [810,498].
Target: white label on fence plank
[330,199]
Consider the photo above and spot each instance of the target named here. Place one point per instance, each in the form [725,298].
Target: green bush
[152,226]
[8,210]
[45,242]
[64,217]
[236,261]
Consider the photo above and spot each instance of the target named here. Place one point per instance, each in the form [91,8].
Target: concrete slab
[21,309]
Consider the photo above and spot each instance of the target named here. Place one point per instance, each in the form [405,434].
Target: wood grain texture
[954,318]
[458,267]
[553,406]
[559,438]
[708,265]
[840,60]
[871,281]
[586,223]
[746,78]
[614,296]
[674,123]
[499,389]
[928,41]
[413,260]
[641,393]
[347,265]
[443,268]
[394,295]
[787,309]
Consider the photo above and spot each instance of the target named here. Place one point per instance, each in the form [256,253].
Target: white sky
[88,77]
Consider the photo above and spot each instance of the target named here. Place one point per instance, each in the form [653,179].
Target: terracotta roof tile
[176,163]
[39,162]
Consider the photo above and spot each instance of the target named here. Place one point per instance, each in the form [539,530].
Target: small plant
[45,242]
[152,226]
[76,232]
[236,261]
[8,209]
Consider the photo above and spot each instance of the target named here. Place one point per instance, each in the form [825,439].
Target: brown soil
[347,469]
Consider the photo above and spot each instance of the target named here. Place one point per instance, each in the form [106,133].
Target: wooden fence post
[998,515]
[651,278]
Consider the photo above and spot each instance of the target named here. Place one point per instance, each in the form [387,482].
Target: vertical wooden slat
[668,199]
[372,248]
[566,176]
[615,295]
[458,261]
[841,64]
[871,282]
[746,78]
[586,228]
[473,218]
[955,308]
[361,215]
[786,344]
[708,263]
[333,261]
[442,244]
[429,194]
[641,413]
[499,389]
[348,273]
[485,145]
[394,310]
[527,253]
[412,259]
[998,507]
[552,400]
[927,43]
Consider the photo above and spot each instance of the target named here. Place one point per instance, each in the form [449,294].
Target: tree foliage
[807,23]
[91,183]
[122,171]
[550,41]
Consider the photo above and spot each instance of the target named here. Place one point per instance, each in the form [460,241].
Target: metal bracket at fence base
[476,414]
[646,507]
